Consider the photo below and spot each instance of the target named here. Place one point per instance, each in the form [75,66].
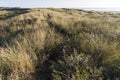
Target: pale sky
[61,3]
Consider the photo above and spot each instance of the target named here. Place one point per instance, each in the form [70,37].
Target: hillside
[59,44]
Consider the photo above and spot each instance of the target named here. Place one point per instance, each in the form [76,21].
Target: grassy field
[59,44]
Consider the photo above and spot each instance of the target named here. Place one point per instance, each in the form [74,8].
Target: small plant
[76,67]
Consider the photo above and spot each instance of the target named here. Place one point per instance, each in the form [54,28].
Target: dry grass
[59,44]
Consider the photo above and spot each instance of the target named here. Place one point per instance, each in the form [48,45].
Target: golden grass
[59,44]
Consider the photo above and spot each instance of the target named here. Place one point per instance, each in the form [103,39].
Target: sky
[61,3]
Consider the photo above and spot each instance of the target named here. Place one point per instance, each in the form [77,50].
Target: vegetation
[59,44]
